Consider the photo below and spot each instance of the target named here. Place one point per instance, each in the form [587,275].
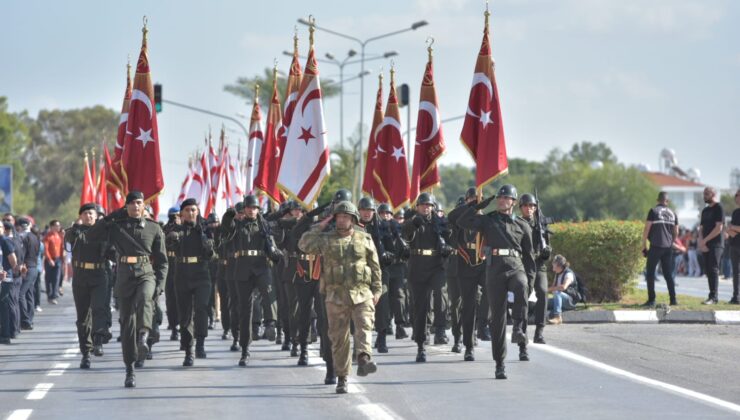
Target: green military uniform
[90,289]
[193,252]
[351,278]
[169,288]
[509,265]
[140,276]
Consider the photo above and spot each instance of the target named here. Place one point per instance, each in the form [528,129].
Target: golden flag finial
[256,93]
[274,69]
[393,72]
[295,40]
[380,78]
[144,30]
[487,14]
[430,42]
[311,29]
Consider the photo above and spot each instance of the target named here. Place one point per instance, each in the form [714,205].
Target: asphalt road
[596,371]
[692,286]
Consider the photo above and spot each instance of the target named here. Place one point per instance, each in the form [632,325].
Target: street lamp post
[363,44]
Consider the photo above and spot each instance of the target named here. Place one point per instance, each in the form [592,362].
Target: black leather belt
[189,260]
[505,252]
[424,252]
[134,259]
[249,253]
[88,265]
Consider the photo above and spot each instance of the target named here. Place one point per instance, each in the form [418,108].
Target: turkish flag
[117,176]
[391,167]
[101,193]
[430,143]
[483,129]
[305,166]
[254,145]
[115,197]
[369,184]
[140,160]
[88,189]
[269,163]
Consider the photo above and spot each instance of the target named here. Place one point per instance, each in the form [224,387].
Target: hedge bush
[607,255]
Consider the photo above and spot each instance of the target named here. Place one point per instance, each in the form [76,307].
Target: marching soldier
[351,283]
[528,206]
[173,216]
[193,251]
[255,252]
[214,232]
[90,286]
[394,244]
[141,273]
[471,271]
[509,265]
[425,234]
[228,250]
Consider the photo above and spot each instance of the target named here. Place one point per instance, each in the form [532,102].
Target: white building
[685,195]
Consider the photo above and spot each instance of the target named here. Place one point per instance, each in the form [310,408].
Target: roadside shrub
[607,255]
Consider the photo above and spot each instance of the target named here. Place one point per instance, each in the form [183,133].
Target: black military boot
[365,365]
[174,335]
[235,345]
[141,347]
[294,350]
[279,336]
[188,361]
[500,370]
[225,335]
[456,346]
[255,332]
[85,362]
[518,336]
[244,360]
[303,358]
[421,354]
[130,381]
[401,332]
[538,337]
[440,337]
[98,346]
[200,350]
[270,331]
[484,333]
[330,378]
[380,342]
[523,355]
[469,356]
[286,344]
[342,385]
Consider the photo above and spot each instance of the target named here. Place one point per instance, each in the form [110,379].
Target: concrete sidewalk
[659,315]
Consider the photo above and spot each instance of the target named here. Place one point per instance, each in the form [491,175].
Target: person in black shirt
[10,262]
[711,241]
[661,228]
[733,232]
[32,245]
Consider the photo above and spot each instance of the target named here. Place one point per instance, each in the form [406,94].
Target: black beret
[134,195]
[188,202]
[87,206]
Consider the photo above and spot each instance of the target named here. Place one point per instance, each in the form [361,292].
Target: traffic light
[405,95]
[158,97]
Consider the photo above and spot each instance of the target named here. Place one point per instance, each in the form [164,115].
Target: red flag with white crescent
[115,196]
[391,168]
[305,166]
[430,143]
[117,176]
[369,184]
[141,162]
[483,129]
[269,162]
[254,144]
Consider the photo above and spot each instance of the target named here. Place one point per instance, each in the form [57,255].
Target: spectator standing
[711,241]
[661,228]
[31,245]
[53,260]
[18,273]
[694,269]
[733,232]
[9,262]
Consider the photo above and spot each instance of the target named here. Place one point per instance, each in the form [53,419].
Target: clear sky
[639,75]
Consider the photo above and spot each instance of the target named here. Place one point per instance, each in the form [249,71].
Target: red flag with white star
[369,184]
[305,166]
[391,167]
[140,160]
[430,143]
[483,129]
[269,163]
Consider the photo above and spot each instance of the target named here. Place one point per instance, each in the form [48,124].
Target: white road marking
[640,379]
[58,369]
[71,352]
[375,412]
[39,392]
[22,414]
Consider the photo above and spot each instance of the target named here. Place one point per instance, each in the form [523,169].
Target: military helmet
[284,206]
[527,199]
[100,210]
[346,207]
[471,193]
[425,198]
[295,205]
[384,208]
[173,210]
[251,201]
[507,190]
[460,201]
[366,203]
[212,218]
[239,207]
[342,195]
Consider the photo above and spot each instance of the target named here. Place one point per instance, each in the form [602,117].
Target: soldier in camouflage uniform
[351,282]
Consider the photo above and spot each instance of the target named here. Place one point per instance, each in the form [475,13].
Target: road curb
[652,317]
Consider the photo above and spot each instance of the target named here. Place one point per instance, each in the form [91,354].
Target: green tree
[342,174]
[14,141]
[54,159]
[243,87]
